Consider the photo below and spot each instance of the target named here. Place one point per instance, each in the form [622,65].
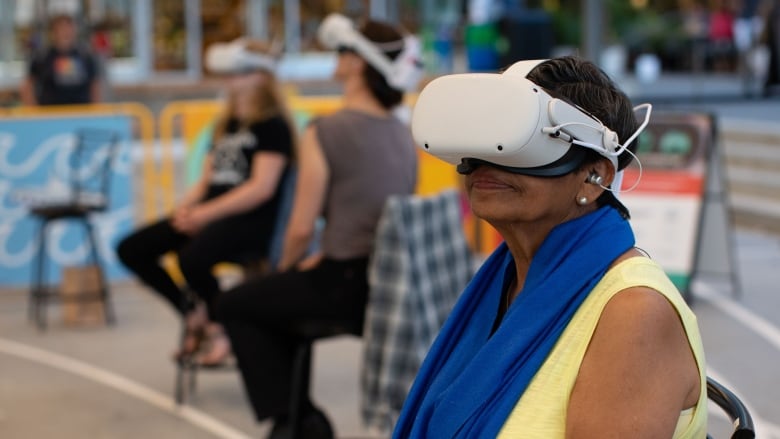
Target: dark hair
[380,32]
[584,84]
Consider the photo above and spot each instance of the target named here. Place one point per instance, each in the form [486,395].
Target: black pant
[232,239]
[265,316]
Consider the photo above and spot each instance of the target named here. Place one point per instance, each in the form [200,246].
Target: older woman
[568,330]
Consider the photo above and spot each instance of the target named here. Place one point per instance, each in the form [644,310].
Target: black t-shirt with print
[233,153]
[63,77]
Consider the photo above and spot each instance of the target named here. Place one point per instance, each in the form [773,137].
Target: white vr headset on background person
[508,121]
[237,57]
[402,73]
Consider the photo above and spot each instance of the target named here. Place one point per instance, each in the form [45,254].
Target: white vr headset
[235,57]
[508,121]
[402,73]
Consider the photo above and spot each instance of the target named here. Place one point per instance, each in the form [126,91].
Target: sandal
[194,333]
[217,352]
[191,342]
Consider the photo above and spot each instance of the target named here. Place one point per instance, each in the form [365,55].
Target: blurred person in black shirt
[64,72]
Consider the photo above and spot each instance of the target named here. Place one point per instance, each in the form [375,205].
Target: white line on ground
[760,327]
[121,384]
[749,319]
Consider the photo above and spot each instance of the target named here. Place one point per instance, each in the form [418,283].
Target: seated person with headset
[568,329]
[349,163]
[230,212]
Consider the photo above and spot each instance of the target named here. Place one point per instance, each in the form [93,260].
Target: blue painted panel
[34,156]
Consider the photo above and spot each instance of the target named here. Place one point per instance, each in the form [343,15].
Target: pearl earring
[582,201]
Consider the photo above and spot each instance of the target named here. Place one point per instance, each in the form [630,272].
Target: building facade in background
[143,40]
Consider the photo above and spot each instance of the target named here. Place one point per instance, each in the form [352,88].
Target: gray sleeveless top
[370,158]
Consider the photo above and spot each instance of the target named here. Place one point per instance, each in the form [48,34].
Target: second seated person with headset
[349,163]
[230,212]
[567,330]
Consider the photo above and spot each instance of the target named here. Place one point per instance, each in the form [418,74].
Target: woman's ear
[598,176]
[601,173]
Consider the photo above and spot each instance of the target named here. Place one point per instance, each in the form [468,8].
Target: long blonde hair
[269,101]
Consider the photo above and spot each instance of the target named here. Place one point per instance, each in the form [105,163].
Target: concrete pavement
[117,382]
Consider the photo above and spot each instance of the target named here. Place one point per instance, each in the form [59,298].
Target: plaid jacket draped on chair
[420,265]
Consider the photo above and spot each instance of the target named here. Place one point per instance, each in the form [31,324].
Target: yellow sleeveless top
[541,411]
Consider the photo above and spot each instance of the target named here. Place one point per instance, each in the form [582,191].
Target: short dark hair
[381,32]
[584,84]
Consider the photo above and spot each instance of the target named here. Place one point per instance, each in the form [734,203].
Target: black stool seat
[314,330]
[55,212]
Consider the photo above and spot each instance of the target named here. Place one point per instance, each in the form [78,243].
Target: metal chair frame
[187,367]
[735,409]
[85,198]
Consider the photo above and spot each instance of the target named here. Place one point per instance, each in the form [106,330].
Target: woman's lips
[484,181]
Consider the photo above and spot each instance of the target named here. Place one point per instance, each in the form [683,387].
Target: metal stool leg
[38,289]
[186,367]
[182,389]
[300,385]
[35,278]
[178,386]
[104,289]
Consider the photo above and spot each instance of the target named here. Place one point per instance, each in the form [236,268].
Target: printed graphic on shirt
[230,161]
[69,70]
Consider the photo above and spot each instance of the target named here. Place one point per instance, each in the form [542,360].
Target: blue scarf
[471,380]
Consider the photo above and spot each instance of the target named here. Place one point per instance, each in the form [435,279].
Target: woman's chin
[493,210]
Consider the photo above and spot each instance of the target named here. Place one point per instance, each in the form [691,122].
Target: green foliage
[567,26]
[645,28]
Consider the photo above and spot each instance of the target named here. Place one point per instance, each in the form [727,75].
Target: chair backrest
[420,265]
[735,409]
[90,166]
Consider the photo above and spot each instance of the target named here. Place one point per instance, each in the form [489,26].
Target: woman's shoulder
[339,117]
[333,122]
[349,116]
[635,269]
[274,128]
[275,121]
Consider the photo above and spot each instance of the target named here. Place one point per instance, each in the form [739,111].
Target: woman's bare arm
[313,175]
[638,372]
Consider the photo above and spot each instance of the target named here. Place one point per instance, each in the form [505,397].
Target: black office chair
[734,408]
[89,177]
